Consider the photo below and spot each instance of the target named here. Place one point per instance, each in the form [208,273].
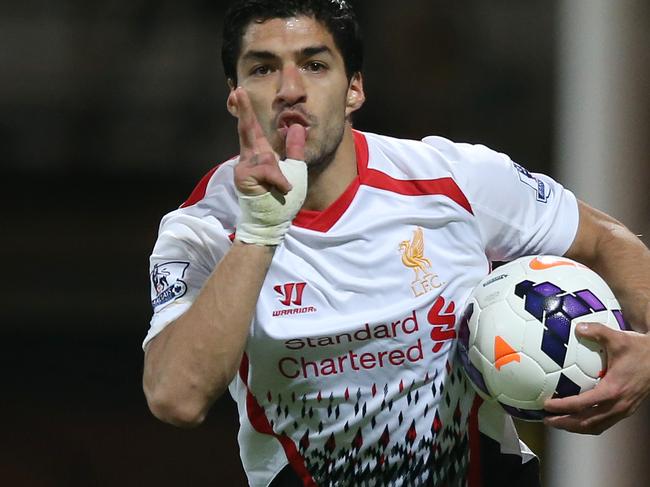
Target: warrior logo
[291,297]
[288,295]
[167,282]
[413,258]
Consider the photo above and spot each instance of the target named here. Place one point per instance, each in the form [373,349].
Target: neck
[327,185]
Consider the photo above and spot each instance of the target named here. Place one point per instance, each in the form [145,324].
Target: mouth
[289,118]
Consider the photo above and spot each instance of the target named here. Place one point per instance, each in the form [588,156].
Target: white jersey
[348,374]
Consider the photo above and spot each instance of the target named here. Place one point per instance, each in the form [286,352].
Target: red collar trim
[322,221]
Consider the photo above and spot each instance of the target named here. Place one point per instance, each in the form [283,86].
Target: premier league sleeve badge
[167,283]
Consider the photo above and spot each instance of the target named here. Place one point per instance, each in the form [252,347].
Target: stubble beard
[321,157]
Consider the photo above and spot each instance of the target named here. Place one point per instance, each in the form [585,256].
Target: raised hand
[257,171]
[270,191]
[618,394]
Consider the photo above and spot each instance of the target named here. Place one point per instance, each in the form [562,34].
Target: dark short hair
[336,15]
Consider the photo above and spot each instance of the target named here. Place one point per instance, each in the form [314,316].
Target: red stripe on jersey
[361,150]
[474,475]
[417,187]
[198,193]
[243,369]
[261,424]
[322,221]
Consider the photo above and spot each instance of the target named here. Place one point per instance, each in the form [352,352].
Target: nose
[291,87]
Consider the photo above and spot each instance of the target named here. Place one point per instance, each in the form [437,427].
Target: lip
[290,117]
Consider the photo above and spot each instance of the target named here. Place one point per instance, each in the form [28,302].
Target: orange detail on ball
[504,353]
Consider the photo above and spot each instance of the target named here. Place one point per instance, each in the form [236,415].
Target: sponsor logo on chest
[394,344]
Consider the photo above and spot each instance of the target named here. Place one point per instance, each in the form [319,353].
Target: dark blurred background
[111,112]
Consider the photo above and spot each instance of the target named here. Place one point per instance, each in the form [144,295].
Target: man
[324,294]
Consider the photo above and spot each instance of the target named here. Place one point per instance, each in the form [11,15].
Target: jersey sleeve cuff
[570,220]
[160,320]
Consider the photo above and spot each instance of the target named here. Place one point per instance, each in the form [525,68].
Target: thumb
[295,143]
[594,331]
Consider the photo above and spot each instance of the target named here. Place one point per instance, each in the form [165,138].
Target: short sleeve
[191,241]
[518,212]
[186,251]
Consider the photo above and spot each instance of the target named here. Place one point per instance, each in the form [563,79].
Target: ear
[231,102]
[356,96]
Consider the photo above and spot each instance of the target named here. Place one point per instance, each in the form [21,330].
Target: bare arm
[608,247]
[191,362]
[623,260]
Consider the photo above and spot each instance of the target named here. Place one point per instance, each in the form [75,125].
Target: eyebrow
[268,55]
[312,51]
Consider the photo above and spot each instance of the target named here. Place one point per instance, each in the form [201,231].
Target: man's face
[293,73]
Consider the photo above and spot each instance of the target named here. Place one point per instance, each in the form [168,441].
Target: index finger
[251,137]
[575,404]
[590,421]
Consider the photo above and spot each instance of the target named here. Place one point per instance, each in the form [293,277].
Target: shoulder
[404,158]
[398,148]
[433,156]
[466,154]
[213,200]
[217,179]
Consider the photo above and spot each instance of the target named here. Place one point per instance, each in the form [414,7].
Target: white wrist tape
[266,218]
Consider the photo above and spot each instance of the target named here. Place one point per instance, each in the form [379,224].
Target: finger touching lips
[295,143]
[290,117]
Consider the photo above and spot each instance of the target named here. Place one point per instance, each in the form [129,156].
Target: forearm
[192,361]
[625,265]
[621,258]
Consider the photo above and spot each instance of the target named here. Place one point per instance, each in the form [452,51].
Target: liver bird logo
[413,254]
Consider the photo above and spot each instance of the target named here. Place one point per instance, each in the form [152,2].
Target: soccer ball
[516,338]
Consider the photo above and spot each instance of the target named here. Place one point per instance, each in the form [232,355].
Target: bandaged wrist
[265,218]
